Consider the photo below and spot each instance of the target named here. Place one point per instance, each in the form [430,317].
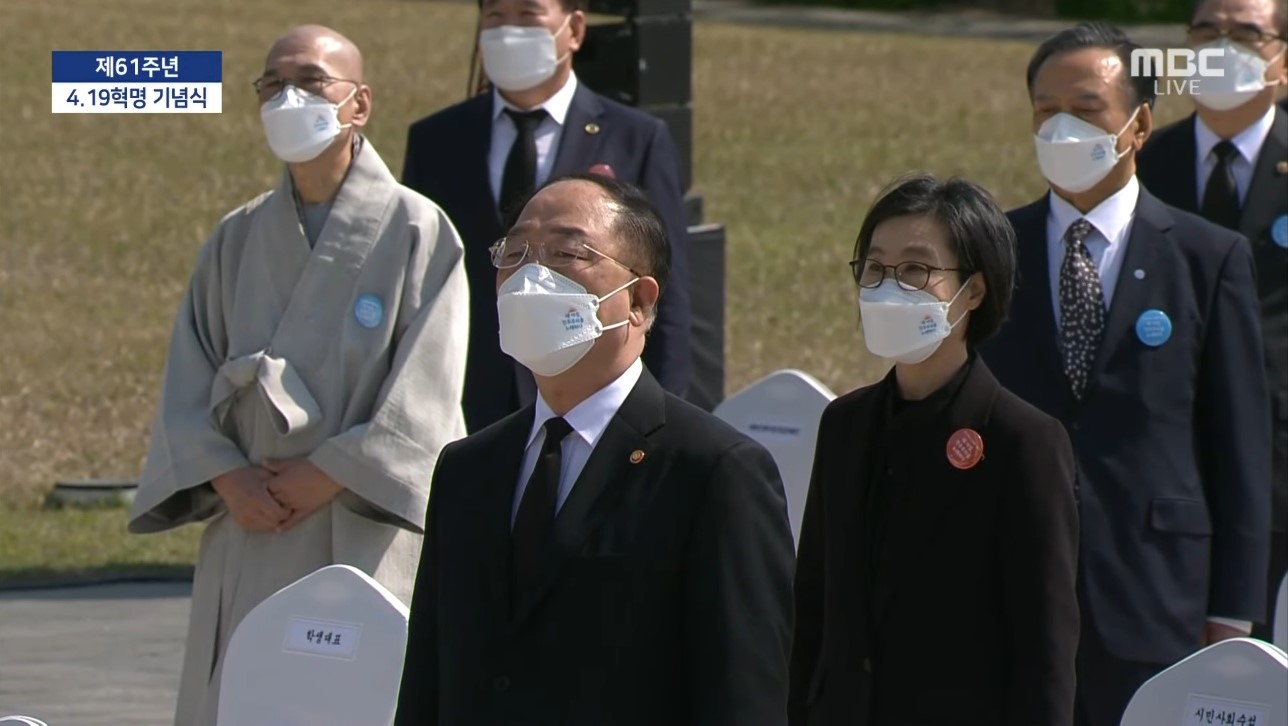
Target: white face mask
[548,322]
[1075,155]
[520,57]
[1243,76]
[300,125]
[906,326]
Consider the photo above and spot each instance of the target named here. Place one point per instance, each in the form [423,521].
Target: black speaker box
[640,62]
[693,209]
[707,300]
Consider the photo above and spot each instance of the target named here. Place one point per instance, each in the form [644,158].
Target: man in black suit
[609,555]
[480,158]
[1229,162]
[1137,325]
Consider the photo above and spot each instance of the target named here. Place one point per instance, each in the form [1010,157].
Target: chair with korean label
[325,650]
[1237,682]
[781,411]
[1279,619]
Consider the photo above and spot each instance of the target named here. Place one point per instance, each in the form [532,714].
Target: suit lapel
[935,485]
[498,489]
[1033,308]
[622,457]
[1266,192]
[582,133]
[476,146]
[1181,160]
[1132,289]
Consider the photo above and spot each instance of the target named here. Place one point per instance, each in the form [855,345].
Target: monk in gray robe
[315,368]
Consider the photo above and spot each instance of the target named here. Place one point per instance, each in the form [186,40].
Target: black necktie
[520,175]
[536,515]
[1221,196]
[1082,308]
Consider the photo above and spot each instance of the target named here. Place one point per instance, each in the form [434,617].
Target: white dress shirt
[546,137]
[1111,226]
[1248,141]
[588,420]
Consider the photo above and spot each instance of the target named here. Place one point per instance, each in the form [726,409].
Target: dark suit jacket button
[501,683]
[867,665]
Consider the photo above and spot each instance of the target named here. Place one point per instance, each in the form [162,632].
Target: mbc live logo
[1179,65]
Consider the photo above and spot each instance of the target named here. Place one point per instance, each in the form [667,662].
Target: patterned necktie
[535,520]
[1221,195]
[520,175]
[1082,308]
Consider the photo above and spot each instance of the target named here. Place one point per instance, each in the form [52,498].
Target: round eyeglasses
[909,275]
[509,252]
[268,87]
[1248,35]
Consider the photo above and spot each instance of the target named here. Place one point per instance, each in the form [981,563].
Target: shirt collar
[1247,141]
[1110,218]
[557,105]
[590,418]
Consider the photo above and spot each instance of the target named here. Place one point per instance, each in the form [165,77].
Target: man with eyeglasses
[482,157]
[1228,161]
[610,554]
[315,366]
[1136,324]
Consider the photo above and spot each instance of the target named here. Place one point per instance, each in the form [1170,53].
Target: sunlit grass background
[101,215]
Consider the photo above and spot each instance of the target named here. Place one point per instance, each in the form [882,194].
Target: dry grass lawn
[102,216]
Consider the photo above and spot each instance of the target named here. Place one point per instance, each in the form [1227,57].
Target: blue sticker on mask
[321,123]
[369,311]
[928,326]
[572,320]
[1098,152]
[1154,328]
[1279,231]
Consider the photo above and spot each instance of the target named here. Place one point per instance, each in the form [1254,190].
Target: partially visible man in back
[481,158]
[1229,163]
[315,367]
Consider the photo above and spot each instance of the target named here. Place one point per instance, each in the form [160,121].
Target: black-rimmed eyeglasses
[909,275]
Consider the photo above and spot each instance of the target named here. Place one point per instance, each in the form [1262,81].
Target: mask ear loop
[960,290]
[341,104]
[1118,155]
[555,35]
[600,300]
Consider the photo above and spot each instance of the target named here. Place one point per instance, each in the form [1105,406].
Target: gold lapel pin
[637,456]
[592,129]
[1282,167]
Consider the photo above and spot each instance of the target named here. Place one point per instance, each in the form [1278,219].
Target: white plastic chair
[781,412]
[324,651]
[1234,679]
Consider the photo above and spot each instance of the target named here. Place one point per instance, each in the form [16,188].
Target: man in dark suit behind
[1137,325]
[1229,163]
[609,555]
[480,158]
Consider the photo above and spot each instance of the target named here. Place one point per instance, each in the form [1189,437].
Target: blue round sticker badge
[369,311]
[1153,327]
[1279,231]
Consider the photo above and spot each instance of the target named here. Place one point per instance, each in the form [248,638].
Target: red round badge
[965,448]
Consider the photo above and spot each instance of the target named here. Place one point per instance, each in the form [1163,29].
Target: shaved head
[319,46]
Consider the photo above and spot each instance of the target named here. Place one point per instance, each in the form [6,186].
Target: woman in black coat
[935,580]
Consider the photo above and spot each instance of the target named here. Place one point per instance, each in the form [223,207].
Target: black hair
[638,226]
[1280,16]
[978,230]
[1140,89]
